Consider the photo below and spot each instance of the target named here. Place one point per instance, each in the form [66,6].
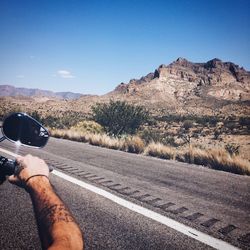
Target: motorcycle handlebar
[8,166]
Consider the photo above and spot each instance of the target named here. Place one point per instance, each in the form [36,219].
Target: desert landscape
[191,105]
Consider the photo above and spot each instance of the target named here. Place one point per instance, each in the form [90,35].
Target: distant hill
[183,87]
[8,90]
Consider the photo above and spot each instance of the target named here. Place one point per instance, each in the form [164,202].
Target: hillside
[8,90]
[182,87]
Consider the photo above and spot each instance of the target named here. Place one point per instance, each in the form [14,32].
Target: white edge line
[193,233]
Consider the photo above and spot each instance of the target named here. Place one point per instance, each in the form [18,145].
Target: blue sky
[92,46]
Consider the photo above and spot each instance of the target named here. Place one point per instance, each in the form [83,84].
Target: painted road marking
[193,233]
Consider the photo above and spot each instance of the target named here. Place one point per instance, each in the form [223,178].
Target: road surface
[213,202]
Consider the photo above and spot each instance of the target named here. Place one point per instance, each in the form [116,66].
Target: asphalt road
[214,202]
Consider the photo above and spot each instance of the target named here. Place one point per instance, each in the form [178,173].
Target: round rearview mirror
[23,129]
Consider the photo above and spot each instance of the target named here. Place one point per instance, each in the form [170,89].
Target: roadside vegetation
[202,140]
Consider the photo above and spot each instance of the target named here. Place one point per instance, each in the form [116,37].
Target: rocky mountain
[184,84]
[8,90]
[183,87]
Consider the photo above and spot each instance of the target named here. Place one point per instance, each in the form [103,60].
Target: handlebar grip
[7,166]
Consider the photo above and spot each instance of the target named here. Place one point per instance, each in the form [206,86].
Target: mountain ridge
[213,73]
[181,87]
[10,90]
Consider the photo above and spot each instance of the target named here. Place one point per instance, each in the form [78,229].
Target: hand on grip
[28,166]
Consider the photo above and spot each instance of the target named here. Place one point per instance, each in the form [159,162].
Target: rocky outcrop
[183,80]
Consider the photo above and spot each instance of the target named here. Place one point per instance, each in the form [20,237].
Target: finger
[19,159]
[13,179]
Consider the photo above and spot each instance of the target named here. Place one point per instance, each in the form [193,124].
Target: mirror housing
[23,129]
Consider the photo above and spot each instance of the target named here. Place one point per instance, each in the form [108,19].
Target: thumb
[14,180]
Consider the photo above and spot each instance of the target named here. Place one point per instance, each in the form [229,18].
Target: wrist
[36,182]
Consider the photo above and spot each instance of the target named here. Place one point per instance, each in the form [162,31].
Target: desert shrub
[187,124]
[88,127]
[170,118]
[36,115]
[62,120]
[231,118]
[169,140]
[52,122]
[217,134]
[213,120]
[185,135]
[6,110]
[232,149]
[231,125]
[244,121]
[150,136]
[203,120]
[119,117]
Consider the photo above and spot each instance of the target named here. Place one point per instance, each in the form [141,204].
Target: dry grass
[132,144]
[222,160]
[105,141]
[69,134]
[218,159]
[161,151]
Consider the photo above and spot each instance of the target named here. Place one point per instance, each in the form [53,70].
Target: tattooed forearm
[55,213]
[56,225]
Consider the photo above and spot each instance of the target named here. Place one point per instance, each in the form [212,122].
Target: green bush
[202,120]
[244,121]
[64,120]
[36,116]
[187,124]
[149,135]
[119,117]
